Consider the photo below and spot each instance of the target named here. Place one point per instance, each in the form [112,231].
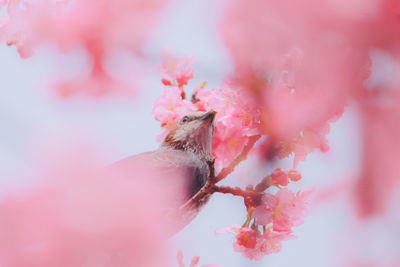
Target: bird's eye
[185,119]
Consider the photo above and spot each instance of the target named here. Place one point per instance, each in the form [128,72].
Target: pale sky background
[28,113]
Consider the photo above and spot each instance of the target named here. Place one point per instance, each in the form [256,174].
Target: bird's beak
[209,115]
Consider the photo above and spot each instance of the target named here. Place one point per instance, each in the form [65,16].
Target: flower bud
[280,177]
[294,175]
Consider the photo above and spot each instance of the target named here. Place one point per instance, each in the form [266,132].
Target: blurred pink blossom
[95,85]
[304,144]
[379,179]
[99,27]
[174,69]
[305,69]
[78,214]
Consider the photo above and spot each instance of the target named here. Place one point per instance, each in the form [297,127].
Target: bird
[182,164]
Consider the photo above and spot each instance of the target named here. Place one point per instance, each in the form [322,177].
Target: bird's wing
[179,175]
[175,170]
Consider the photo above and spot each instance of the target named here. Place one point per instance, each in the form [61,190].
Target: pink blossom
[246,238]
[307,142]
[254,245]
[169,108]
[101,28]
[12,28]
[280,177]
[238,118]
[272,241]
[175,69]
[264,212]
[284,210]
[3,3]
[94,85]
[294,175]
[23,48]
[379,181]
[305,56]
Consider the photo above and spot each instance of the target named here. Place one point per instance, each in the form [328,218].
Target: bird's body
[181,165]
[182,169]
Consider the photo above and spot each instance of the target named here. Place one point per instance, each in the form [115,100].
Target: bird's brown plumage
[181,164]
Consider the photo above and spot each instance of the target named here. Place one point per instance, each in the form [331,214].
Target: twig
[236,191]
[239,158]
[264,184]
[251,197]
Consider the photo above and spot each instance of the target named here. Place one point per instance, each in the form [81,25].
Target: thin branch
[264,184]
[239,158]
[236,191]
[251,197]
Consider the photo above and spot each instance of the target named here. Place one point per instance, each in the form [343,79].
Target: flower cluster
[238,119]
[255,245]
[238,115]
[275,214]
[270,216]
[172,105]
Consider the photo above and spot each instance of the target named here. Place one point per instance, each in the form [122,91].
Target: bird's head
[193,132]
